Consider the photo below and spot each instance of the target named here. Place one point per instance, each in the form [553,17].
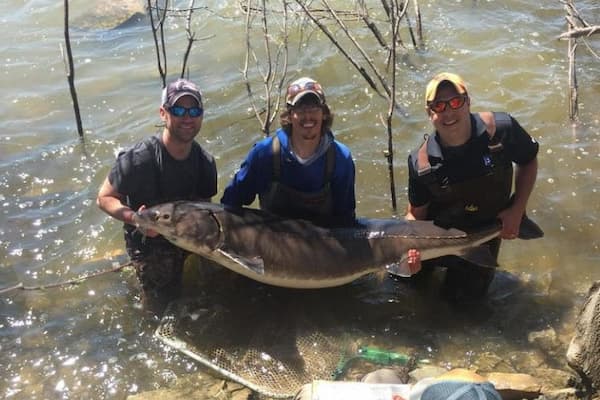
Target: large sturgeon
[299,254]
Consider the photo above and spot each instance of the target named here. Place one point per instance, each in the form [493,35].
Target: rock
[488,361]
[553,379]
[546,339]
[112,14]
[583,354]
[515,386]
[428,371]
[562,394]
[526,361]
[197,387]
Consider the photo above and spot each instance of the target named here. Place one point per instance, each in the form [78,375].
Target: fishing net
[273,340]
[270,348]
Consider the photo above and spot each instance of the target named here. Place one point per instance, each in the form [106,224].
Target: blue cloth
[256,172]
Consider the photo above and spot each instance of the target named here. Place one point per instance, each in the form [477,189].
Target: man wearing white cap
[301,171]
[166,167]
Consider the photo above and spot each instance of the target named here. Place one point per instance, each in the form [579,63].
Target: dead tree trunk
[577,28]
[71,72]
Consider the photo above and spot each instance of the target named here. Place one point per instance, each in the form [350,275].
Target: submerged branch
[70,282]
[579,32]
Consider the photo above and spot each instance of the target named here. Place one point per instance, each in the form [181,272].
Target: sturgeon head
[191,226]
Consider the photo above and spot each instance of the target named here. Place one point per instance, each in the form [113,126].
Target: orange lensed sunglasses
[454,103]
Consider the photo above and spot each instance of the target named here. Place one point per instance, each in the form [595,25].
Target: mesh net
[272,348]
[274,340]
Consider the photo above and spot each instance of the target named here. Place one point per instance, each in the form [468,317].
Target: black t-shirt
[148,174]
[468,161]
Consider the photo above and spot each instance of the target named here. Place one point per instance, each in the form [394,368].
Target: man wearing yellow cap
[301,171]
[462,176]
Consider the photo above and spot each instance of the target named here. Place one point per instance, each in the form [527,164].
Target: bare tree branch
[71,72]
[577,27]
[389,154]
[273,66]
[331,37]
[579,32]
[363,53]
[159,45]
[190,35]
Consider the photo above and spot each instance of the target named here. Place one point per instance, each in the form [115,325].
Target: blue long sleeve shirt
[256,173]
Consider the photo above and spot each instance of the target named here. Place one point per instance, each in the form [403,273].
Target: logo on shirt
[471,208]
[487,160]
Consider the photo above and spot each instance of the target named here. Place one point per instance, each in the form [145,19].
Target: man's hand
[146,232]
[414,261]
[511,221]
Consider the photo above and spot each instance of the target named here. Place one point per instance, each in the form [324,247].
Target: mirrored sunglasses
[454,103]
[179,111]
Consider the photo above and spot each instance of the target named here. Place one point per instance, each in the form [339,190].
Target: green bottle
[384,357]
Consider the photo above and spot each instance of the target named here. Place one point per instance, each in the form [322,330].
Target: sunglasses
[294,89]
[179,111]
[306,109]
[454,103]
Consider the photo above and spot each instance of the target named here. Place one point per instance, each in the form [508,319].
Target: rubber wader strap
[489,120]
[423,158]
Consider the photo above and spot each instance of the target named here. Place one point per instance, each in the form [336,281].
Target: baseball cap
[458,384]
[302,87]
[433,84]
[460,390]
[177,89]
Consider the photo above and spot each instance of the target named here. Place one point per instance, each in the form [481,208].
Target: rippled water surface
[93,340]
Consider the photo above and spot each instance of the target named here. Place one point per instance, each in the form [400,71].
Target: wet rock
[197,388]
[563,394]
[526,361]
[428,371]
[583,354]
[113,14]
[515,386]
[547,340]
[492,362]
[554,379]
[193,386]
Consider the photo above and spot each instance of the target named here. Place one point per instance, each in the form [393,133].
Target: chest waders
[475,201]
[289,202]
[466,204]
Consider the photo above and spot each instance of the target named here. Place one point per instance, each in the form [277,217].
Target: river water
[93,340]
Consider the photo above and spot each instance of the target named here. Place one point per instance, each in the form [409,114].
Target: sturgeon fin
[479,255]
[529,229]
[255,264]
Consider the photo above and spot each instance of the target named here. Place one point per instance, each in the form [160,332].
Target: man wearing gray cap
[166,167]
[301,171]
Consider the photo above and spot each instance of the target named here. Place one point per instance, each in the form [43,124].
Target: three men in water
[461,176]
